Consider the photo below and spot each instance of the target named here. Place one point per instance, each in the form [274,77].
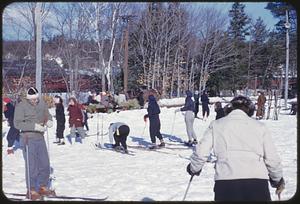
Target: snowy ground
[80,170]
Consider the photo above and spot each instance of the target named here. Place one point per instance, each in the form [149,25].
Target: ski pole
[97,128]
[187,189]
[173,124]
[51,176]
[144,129]
[102,130]
[27,161]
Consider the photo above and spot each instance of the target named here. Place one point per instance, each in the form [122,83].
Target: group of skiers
[246,155]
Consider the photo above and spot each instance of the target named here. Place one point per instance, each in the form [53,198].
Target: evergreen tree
[238,29]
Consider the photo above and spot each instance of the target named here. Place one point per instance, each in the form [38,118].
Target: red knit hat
[6,100]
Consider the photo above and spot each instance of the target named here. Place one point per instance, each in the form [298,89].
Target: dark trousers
[12,136]
[196,109]
[155,130]
[242,190]
[60,131]
[122,137]
[205,109]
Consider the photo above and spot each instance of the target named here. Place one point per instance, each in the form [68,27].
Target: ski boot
[126,151]
[44,191]
[162,143]
[33,195]
[10,150]
[118,148]
[153,146]
[189,143]
[57,141]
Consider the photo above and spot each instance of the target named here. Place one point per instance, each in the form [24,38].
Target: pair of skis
[22,196]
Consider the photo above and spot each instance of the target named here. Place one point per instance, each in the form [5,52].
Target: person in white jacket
[246,156]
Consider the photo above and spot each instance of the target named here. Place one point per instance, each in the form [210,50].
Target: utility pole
[38,47]
[127,19]
[287,26]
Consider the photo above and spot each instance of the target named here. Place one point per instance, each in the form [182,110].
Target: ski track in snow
[80,170]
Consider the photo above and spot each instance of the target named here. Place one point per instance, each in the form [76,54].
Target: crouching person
[32,118]
[246,156]
[119,131]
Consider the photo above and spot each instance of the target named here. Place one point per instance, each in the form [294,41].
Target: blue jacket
[153,108]
[189,103]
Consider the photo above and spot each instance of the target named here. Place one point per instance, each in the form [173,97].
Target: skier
[119,131]
[260,105]
[61,120]
[205,102]
[219,110]
[246,156]
[32,118]
[76,119]
[154,128]
[189,108]
[13,133]
[196,99]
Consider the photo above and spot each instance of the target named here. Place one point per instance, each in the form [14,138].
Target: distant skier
[61,120]
[119,131]
[205,107]
[189,108]
[13,133]
[76,119]
[246,156]
[196,99]
[261,105]
[219,110]
[153,115]
[32,118]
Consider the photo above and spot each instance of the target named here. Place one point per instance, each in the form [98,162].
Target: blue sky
[252,9]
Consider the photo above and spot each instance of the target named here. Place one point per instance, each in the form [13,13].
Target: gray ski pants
[80,130]
[38,160]
[189,122]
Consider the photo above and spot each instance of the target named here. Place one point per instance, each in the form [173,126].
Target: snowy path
[80,170]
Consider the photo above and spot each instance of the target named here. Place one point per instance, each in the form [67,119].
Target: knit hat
[6,100]
[32,93]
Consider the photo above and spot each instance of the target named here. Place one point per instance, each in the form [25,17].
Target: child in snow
[13,133]
[119,131]
[76,118]
[154,128]
[205,107]
[246,156]
[60,118]
[189,108]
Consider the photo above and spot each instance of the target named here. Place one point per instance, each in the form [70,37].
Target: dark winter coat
[189,104]
[75,115]
[204,100]
[196,98]
[153,109]
[9,114]
[91,100]
[220,113]
[60,115]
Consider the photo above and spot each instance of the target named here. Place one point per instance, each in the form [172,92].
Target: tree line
[168,46]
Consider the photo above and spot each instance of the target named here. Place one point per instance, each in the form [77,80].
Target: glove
[49,123]
[188,169]
[279,185]
[39,128]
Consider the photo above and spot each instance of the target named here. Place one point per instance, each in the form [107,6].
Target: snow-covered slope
[80,170]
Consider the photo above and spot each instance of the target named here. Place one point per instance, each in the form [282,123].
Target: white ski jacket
[243,147]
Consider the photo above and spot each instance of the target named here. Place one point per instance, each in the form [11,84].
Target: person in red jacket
[76,118]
